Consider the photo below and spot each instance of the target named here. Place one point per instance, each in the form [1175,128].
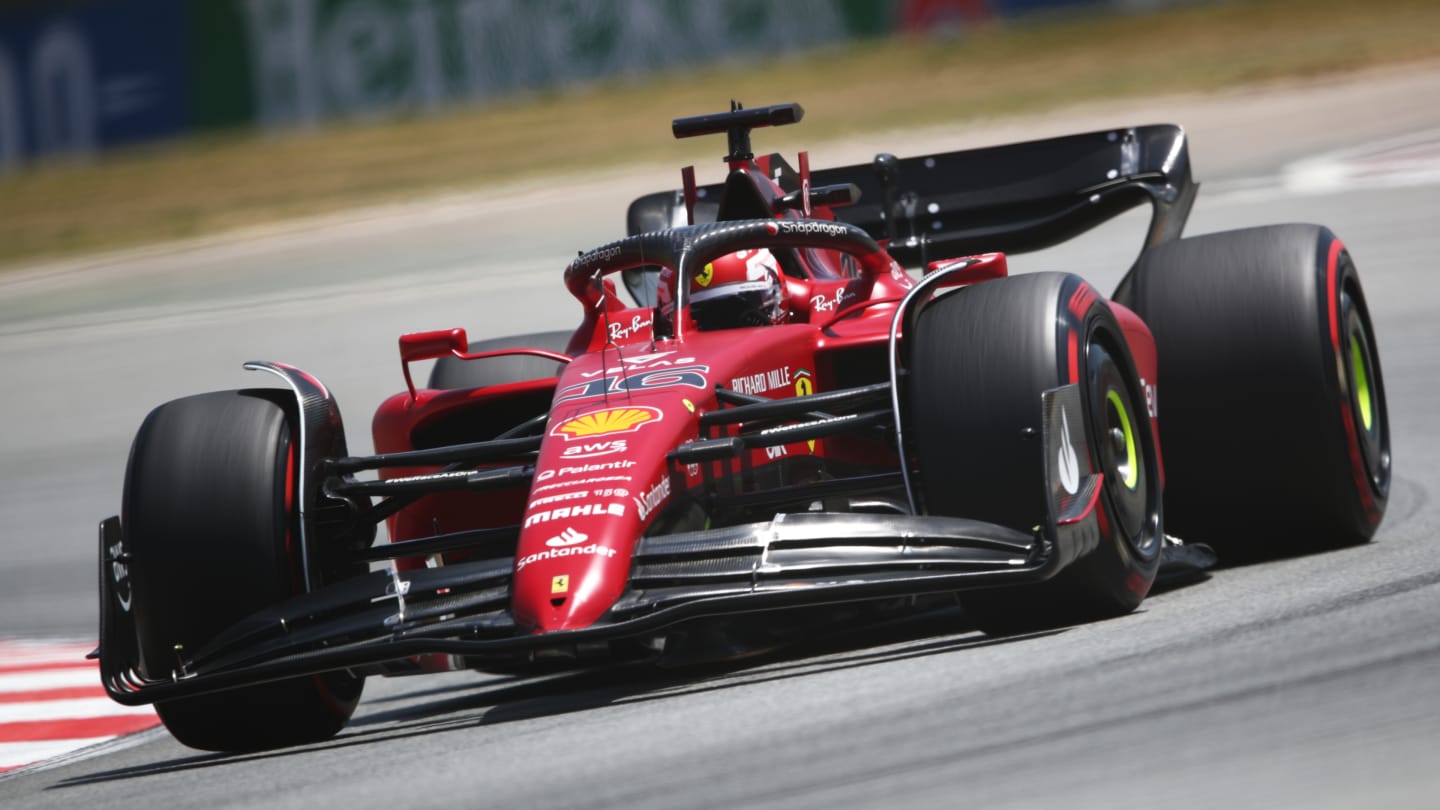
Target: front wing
[793,560]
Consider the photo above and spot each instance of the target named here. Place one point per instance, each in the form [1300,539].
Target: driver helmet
[738,289]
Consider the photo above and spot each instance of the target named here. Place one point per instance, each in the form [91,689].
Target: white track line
[49,679]
[15,754]
[1366,165]
[67,709]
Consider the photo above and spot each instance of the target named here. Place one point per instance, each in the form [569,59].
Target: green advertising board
[289,62]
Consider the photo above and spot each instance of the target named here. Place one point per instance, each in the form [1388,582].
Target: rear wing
[1013,198]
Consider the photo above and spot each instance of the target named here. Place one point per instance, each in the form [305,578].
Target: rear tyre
[980,360]
[210,511]
[452,372]
[1273,422]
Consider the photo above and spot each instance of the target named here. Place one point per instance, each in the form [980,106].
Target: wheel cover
[1364,397]
[1366,393]
[1118,419]
[1119,452]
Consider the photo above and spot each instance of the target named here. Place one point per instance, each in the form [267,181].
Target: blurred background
[127,121]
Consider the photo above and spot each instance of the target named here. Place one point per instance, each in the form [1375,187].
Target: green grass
[213,183]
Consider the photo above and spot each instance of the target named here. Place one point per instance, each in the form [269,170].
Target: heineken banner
[313,59]
[82,75]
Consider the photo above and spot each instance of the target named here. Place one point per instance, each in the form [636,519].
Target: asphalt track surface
[1310,682]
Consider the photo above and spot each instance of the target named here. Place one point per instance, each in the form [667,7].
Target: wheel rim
[1119,449]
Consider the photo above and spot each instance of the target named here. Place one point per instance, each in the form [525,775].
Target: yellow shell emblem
[610,420]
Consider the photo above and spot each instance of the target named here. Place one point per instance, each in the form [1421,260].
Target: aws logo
[590,449]
[606,422]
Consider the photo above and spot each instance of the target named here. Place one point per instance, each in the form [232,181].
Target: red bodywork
[602,478]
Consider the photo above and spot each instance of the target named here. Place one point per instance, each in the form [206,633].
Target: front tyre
[980,359]
[210,516]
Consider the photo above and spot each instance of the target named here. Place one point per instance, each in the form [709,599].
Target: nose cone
[573,579]
[600,479]
[577,542]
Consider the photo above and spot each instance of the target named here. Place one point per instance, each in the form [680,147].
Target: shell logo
[610,420]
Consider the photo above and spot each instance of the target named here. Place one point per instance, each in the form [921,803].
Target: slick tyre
[979,362]
[1272,403]
[452,372]
[209,515]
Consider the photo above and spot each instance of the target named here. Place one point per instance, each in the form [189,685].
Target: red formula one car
[787,429]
